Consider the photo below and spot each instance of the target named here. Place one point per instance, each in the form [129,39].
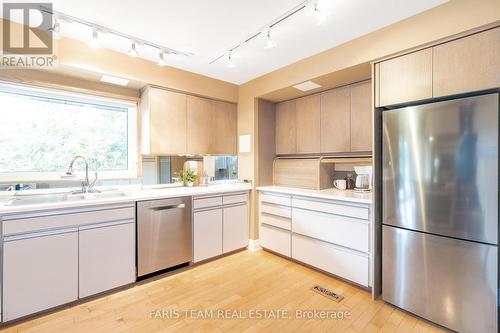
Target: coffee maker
[363,178]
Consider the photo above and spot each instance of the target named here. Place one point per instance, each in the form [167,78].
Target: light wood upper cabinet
[225,128]
[199,129]
[164,122]
[406,78]
[176,123]
[307,118]
[467,64]
[286,128]
[335,119]
[361,117]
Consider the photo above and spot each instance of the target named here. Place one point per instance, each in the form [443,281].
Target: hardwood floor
[244,281]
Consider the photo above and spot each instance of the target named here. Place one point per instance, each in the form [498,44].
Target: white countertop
[132,194]
[331,194]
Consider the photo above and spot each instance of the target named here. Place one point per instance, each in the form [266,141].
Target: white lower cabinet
[220,225]
[276,239]
[207,234]
[40,271]
[333,259]
[235,227]
[106,257]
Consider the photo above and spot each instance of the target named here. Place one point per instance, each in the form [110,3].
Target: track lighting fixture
[161,60]
[133,51]
[270,43]
[230,63]
[94,41]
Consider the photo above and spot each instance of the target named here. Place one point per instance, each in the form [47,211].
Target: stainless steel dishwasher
[164,234]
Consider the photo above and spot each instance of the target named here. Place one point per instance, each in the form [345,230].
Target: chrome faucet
[87,185]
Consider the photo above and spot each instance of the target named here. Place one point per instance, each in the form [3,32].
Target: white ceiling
[209,28]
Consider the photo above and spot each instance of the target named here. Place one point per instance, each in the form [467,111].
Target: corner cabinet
[176,123]
[52,258]
[462,65]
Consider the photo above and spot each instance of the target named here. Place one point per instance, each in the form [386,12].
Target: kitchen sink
[37,199]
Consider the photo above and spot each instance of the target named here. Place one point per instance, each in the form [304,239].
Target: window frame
[132,171]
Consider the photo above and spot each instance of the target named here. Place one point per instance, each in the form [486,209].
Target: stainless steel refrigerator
[440,211]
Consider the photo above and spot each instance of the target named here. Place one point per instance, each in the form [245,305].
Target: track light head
[161,60]
[133,51]
[94,41]
[321,15]
[230,63]
[56,30]
[270,43]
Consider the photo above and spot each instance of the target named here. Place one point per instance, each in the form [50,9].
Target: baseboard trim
[253,245]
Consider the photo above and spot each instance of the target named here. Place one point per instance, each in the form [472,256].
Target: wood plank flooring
[245,282]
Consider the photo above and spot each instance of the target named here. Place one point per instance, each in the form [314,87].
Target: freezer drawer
[448,281]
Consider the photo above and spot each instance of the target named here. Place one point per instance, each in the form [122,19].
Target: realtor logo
[27,35]
[27,28]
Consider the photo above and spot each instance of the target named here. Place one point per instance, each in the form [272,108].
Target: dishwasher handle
[179,206]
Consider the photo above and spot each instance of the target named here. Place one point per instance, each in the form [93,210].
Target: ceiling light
[162,61]
[230,63]
[114,80]
[305,86]
[270,43]
[94,41]
[320,14]
[56,30]
[133,51]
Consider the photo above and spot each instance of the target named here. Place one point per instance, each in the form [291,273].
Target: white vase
[190,184]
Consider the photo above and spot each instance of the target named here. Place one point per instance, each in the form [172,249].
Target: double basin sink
[21,200]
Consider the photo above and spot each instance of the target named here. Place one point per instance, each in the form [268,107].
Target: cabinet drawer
[332,207]
[284,200]
[207,202]
[330,258]
[282,211]
[331,228]
[277,221]
[234,199]
[275,239]
[64,218]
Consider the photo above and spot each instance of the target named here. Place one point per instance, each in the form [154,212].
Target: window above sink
[41,130]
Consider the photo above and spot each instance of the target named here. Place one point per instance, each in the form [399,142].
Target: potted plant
[187,177]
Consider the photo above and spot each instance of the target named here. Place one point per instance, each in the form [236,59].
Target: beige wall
[451,18]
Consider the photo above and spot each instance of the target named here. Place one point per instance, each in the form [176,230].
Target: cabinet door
[467,64]
[307,112]
[40,271]
[406,78]
[224,128]
[168,121]
[361,117]
[335,118]
[106,257]
[286,128]
[207,240]
[235,228]
[199,129]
